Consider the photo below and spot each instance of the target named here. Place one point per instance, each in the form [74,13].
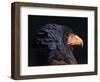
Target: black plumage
[51,45]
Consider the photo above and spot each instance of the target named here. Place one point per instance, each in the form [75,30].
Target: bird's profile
[55,44]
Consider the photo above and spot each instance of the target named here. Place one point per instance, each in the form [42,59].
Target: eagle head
[73,39]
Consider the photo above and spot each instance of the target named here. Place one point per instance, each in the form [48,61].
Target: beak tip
[82,43]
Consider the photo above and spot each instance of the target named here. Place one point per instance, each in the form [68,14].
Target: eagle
[54,44]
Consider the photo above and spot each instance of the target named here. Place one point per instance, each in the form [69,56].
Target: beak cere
[73,39]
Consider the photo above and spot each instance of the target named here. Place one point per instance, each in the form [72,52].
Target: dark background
[77,24]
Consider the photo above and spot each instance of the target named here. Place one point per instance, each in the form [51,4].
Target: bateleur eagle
[55,44]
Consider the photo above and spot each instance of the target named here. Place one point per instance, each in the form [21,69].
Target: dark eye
[72,36]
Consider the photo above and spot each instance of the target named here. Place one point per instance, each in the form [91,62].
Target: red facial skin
[73,39]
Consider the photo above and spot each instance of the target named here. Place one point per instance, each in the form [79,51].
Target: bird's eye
[72,36]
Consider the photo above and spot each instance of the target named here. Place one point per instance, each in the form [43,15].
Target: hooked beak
[73,39]
[78,41]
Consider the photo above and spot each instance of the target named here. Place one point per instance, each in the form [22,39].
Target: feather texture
[52,46]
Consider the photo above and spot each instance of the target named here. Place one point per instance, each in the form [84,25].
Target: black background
[77,24]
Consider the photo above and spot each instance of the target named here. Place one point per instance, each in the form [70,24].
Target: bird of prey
[55,44]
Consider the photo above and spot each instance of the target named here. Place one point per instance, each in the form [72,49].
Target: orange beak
[73,39]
